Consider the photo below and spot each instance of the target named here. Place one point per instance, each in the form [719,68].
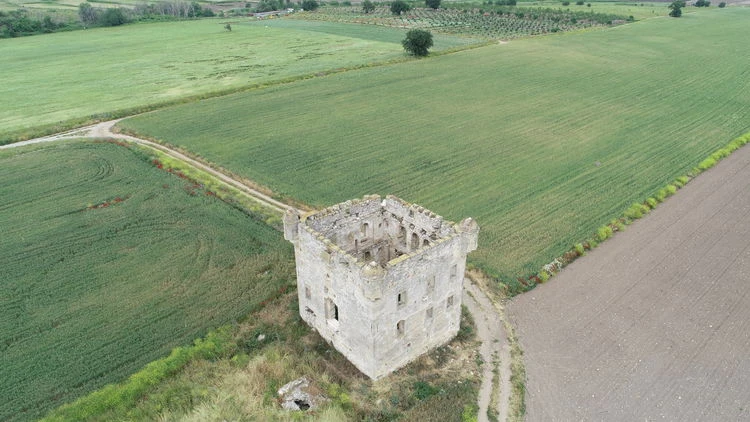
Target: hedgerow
[215,344]
[635,211]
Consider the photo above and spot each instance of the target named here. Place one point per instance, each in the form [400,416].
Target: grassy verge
[272,347]
[634,212]
[109,263]
[213,186]
[118,397]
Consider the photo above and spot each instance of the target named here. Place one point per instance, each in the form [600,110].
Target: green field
[540,140]
[639,10]
[96,72]
[493,23]
[91,293]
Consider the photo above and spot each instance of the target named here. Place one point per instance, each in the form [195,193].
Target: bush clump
[707,164]
[636,211]
[309,5]
[417,42]
[580,250]
[433,4]
[543,276]
[603,233]
[399,6]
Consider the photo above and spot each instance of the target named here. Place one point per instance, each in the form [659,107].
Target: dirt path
[104,130]
[494,391]
[490,329]
[654,324]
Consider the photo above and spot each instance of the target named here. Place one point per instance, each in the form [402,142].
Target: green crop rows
[107,263]
[104,71]
[540,140]
[492,22]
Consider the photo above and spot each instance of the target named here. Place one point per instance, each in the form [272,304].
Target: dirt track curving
[655,323]
[490,330]
[104,130]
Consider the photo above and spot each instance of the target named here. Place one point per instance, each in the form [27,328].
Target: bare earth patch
[655,324]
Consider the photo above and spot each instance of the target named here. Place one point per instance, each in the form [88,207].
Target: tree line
[23,22]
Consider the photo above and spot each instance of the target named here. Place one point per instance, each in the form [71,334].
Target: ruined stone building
[381,279]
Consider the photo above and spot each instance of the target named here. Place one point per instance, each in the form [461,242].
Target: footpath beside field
[490,330]
[104,130]
[655,324]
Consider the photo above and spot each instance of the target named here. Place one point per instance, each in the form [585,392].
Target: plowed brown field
[654,324]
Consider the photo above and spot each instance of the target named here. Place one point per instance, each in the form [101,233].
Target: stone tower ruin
[380,279]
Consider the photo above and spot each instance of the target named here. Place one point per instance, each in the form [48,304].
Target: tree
[722,5]
[195,9]
[676,8]
[368,6]
[417,42]
[113,17]
[47,24]
[270,5]
[702,3]
[434,4]
[399,6]
[87,13]
[310,5]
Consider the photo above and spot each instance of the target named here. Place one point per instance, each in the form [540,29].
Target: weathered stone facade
[381,279]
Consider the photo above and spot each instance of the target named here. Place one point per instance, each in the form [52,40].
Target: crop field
[540,140]
[639,10]
[101,71]
[107,263]
[488,23]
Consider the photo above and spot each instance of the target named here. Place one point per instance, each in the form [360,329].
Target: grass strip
[217,343]
[634,212]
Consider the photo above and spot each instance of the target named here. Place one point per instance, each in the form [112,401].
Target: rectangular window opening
[308,294]
[449,302]
[400,327]
[332,311]
[401,299]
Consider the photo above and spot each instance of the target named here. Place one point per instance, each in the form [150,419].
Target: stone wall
[380,279]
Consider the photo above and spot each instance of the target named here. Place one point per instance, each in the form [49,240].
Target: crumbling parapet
[381,279]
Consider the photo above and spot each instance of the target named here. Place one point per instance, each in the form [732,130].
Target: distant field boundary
[632,213]
[77,122]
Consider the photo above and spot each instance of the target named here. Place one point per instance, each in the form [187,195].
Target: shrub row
[215,344]
[213,186]
[632,213]
[638,210]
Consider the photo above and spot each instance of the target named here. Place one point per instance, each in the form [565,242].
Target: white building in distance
[380,279]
